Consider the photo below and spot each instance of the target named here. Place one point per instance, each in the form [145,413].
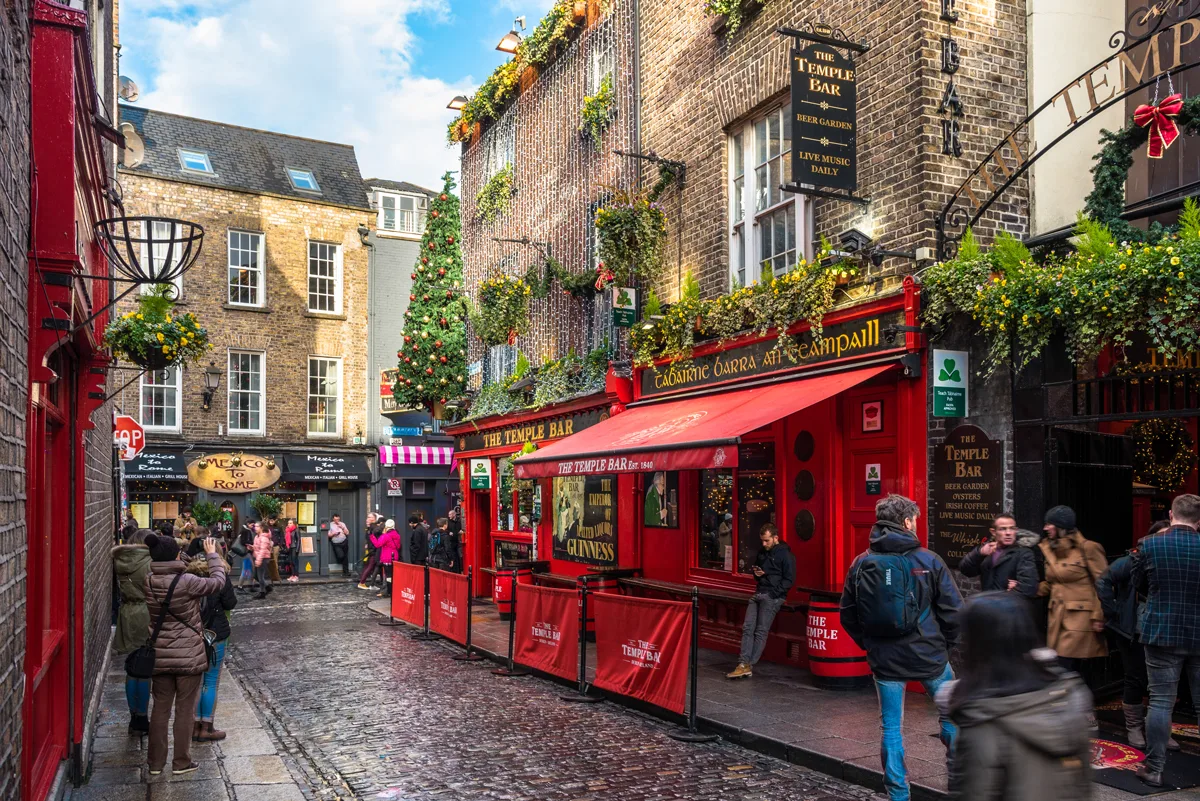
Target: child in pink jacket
[262,558]
[389,546]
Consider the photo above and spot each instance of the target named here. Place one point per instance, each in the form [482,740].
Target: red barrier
[642,648]
[547,630]
[408,593]
[448,607]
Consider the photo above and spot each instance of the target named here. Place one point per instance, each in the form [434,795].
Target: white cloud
[338,71]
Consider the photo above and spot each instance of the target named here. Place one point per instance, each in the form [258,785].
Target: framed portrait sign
[660,508]
[872,416]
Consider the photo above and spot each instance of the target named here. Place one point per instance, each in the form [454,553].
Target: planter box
[528,76]
[749,9]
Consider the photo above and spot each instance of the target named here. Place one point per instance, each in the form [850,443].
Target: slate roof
[397,186]
[246,159]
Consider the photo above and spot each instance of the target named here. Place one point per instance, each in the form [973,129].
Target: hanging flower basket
[502,313]
[152,337]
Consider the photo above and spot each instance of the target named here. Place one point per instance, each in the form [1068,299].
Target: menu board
[585,519]
[967,491]
[509,552]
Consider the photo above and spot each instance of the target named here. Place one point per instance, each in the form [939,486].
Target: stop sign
[129,436]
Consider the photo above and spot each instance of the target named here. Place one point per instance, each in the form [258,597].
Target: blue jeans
[1164,666]
[137,693]
[206,705]
[891,746]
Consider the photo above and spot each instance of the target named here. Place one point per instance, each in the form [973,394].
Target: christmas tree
[433,359]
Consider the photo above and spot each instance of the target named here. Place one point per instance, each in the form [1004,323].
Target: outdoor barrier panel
[408,593]
[642,648]
[448,607]
[547,630]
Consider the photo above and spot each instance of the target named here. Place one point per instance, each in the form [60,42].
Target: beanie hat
[162,549]
[1061,517]
[389,524]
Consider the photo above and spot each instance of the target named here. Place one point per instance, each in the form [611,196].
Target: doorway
[344,504]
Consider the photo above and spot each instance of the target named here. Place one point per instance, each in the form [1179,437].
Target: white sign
[395,487]
[950,371]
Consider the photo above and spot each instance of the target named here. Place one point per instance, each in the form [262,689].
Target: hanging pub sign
[967,491]
[824,118]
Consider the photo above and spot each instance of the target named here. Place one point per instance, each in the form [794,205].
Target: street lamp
[513,38]
[212,380]
[458,103]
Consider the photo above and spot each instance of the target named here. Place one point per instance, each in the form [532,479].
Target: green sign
[950,370]
[481,474]
[624,306]
[874,479]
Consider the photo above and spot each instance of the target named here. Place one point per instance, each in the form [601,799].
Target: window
[764,221]
[716,520]
[501,362]
[403,213]
[245,269]
[728,535]
[504,495]
[324,278]
[245,392]
[303,180]
[601,62]
[324,395]
[162,249]
[416,487]
[160,397]
[195,161]
[501,147]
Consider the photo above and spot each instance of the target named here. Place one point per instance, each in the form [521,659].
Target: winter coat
[388,544]
[779,571]
[262,548]
[1118,597]
[131,564]
[1071,574]
[180,649]
[1168,572]
[443,550]
[1028,747]
[995,571]
[418,544]
[923,653]
[214,608]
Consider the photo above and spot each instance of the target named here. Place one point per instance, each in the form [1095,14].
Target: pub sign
[824,117]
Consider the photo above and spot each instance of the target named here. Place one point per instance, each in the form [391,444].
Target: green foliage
[522,366]
[598,111]
[494,398]
[1189,220]
[653,306]
[433,361]
[731,10]
[495,197]
[502,313]
[267,506]
[1163,453]
[568,377]
[207,513]
[152,337]
[691,287]
[632,229]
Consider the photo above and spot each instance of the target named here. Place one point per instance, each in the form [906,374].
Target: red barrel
[835,661]
[502,588]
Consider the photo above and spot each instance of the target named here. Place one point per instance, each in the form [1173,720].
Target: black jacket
[418,545]
[443,550]
[1118,597]
[215,606]
[779,571]
[1015,562]
[924,653]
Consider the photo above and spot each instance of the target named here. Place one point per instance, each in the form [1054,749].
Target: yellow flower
[1170,250]
[166,350]
[168,318]
[140,317]
[1057,310]
[1122,266]
[160,336]
[1175,263]
[1181,273]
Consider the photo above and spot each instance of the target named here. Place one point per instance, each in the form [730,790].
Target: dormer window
[195,161]
[303,180]
[402,213]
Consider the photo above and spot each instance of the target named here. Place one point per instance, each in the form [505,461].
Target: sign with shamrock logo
[624,303]
[874,479]
[950,370]
[481,474]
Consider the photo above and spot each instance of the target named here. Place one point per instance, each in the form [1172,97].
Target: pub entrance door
[1093,474]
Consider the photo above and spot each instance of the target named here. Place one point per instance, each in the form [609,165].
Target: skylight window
[195,161]
[303,179]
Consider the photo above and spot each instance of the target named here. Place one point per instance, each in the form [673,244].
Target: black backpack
[891,601]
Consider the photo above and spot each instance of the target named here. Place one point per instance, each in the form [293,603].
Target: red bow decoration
[1163,130]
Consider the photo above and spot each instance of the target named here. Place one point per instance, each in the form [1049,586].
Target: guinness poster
[824,118]
[585,519]
[967,491]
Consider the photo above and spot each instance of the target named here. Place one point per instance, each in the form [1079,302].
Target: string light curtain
[559,178]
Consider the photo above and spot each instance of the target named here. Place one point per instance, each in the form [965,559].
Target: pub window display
[504,495]
[716,519]
[528,505]
[728,537]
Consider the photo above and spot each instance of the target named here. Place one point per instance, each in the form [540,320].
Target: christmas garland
[598,112]
[495,197]
[1163,455]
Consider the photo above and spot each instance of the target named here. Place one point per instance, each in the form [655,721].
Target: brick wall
[14,393]
[283,328]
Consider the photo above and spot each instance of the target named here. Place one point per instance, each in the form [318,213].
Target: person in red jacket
[389,544]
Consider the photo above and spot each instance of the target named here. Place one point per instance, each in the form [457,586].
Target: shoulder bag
[140,663]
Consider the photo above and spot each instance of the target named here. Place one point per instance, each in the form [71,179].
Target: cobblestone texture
[365,712]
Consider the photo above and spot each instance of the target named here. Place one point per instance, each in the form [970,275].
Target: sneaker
[363,587]
[180,771]
[270,587]
[1150,777]
[742,671]
[294,578]
[261,596]
[154,772]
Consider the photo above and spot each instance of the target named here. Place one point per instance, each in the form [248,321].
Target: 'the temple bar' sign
[824,118]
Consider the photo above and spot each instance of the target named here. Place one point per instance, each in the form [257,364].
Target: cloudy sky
[376,74]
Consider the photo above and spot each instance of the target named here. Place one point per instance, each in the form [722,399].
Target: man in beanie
[180,659]
[1073,564]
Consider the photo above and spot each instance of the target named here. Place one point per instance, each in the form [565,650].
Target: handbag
[140,663]
[237,549]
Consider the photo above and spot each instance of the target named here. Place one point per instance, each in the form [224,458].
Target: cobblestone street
[362,711]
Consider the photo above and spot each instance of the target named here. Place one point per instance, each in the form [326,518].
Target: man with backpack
[900,605]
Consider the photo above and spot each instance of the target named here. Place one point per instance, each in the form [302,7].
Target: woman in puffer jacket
[389,545]
[180,658]
[131,563]
[263,546]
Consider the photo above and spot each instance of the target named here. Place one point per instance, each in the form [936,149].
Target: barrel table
[835,662]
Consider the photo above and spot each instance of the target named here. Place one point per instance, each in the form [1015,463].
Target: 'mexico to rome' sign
[223,472]
[824,127]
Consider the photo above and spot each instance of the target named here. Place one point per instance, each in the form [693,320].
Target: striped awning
[415,454]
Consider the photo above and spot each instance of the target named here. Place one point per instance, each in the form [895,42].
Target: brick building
[281,285]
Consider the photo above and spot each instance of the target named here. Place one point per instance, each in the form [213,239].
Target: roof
[246,159]
[398,186]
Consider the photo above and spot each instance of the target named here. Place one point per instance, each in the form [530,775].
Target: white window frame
[501,148]
[745,234]
[176,385]
[337,432]
[602,59]
[417,214]
[145,255]
[292,172]
[259,271]
[200,155]
[261,392]
[337,277]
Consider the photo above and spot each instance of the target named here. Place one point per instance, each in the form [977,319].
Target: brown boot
[209,734]
[197,732]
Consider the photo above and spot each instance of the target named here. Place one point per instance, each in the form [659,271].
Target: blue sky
[376,74]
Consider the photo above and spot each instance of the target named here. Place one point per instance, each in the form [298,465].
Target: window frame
[602,59]
[177,386]
[146,289]
[336,278]
[420,204]
[261,270]
[501,149]
[292,172]
[734,577]
[308,414]
[202,155]
[261,392]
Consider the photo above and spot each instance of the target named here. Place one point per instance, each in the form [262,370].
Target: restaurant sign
[859,337]
[534,431]
[967,491]
[233,472]
[824,117]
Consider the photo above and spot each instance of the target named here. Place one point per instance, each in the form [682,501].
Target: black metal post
[690,734]
[425,635]
[581,696]
[391,622]
[511,669]
[469,655]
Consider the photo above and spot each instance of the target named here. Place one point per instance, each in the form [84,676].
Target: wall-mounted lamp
[513,38]
[212,380]
[203,463]
[270,464]
[458,103]
[235,460]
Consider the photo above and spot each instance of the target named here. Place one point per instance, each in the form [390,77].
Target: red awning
[692,434]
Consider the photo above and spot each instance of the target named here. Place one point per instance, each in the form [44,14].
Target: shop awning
[691,434]
[152,466]
[415,454]
[326,467]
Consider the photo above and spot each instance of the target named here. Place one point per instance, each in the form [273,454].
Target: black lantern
[150,250]
[212,380]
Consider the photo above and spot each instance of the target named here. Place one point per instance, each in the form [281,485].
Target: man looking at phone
[1002,564]
[774,574]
